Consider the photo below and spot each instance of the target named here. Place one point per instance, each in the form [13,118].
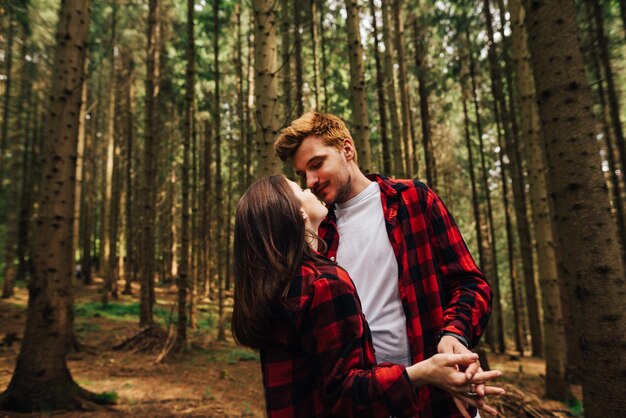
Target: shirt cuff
[458,337]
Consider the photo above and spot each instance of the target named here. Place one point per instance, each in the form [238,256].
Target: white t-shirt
[366,254]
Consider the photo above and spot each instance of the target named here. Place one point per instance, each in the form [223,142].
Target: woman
[302,312]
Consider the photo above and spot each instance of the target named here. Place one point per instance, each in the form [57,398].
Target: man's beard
[343,191]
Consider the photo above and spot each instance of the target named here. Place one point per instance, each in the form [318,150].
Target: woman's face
[312,207]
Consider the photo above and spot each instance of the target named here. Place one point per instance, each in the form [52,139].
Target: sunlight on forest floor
[211,379]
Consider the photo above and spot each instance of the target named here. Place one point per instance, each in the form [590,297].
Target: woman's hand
[442,370]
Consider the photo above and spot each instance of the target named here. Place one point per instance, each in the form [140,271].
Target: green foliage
[576,408]
[237,355]
[117,311]
[107,398]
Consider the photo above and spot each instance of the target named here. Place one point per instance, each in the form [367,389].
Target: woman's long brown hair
[269,246]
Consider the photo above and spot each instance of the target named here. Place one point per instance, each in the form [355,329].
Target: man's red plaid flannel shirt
[440,286]
[320,361]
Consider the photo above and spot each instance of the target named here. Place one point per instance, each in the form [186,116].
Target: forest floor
[210,379]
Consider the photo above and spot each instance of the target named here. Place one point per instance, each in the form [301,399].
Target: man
[420,288]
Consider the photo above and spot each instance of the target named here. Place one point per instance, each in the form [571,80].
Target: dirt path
[211,379]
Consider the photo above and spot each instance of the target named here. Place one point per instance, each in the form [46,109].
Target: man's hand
[451,345]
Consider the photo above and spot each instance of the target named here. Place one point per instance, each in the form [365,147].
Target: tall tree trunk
[108,231]
[87,206]
[600,53]
[195,235]
[207,211]
[297,40]
[229,219]
[614,105]
[183,271]
[399,162]
[324,59]
[519,195]
[221,333]
[251,169]
[241,120]
[515,300]
[314,43]
[380,95]
[12,191]
[421,70]
[265,92]
[360,119]
[80,165]
[285,50]
[470,158]
[403,88]
[498,323]
[622,12]
[27,180]
[616,182]
[8,59]
[556,385]
[130,263]
[149,174]
[591,252]
[41,379]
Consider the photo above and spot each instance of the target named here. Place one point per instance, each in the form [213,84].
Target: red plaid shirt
[320,361]
[440,286]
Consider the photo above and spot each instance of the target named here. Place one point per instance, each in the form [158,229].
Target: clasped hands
[460,374]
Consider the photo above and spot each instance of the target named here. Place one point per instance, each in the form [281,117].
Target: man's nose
[311,181]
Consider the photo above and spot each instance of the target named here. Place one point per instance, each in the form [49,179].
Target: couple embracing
[367,304]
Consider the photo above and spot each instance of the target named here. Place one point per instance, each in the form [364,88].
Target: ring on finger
[471,391]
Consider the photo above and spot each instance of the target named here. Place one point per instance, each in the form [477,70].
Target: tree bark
[600,57]
[498,324]
[219,192]
[324,59]
[399,161]
[130,262]
[109,230]
[555,355]
[403,88]
[149,174]
[380,95]
[285,50]
[360,119]
[314,43]
[27,185]
[470,158]
[7,89]
[265,91]
[519,195]
[11,192]
[588,235]
[41,379]
[421,71]
[297,40]
[183,270]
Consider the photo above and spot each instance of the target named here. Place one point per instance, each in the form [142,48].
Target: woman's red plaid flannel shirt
[440,286]
[320,361]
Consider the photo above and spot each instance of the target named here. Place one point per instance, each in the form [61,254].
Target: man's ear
[348,149]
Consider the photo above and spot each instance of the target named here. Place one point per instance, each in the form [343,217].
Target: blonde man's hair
[330,128]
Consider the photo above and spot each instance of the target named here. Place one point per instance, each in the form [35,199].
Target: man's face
[324,168]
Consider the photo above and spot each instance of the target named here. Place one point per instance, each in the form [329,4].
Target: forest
[131,128]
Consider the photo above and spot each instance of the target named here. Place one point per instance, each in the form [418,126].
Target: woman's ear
[304,214]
